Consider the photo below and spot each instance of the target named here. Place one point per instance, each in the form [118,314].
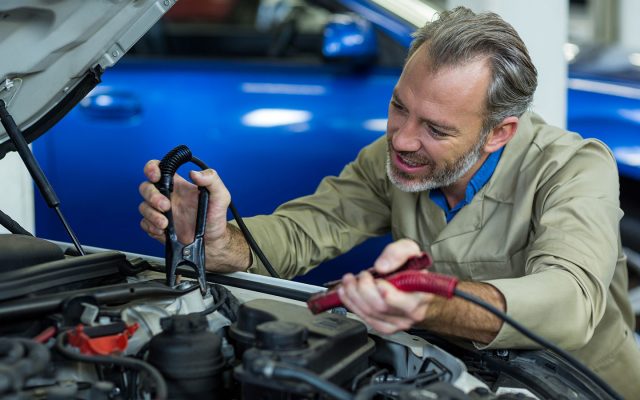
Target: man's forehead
[452,96]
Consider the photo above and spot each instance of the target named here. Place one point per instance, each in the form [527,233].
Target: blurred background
[276,94]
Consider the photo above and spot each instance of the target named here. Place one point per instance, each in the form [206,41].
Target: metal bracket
[9,88]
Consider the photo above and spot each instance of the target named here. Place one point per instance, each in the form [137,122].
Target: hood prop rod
[34,170]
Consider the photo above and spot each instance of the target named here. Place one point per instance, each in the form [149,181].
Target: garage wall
[16,198]
[543,25]
[629,10]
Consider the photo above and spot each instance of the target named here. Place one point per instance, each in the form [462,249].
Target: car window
[290,30]
[234,28]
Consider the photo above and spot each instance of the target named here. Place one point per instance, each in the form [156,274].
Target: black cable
[540,340]
[368,392]
[245,231]
[273,369]
[127,362]
[213,307]
[330,389]
[249,237]
[12,226]
[229,308]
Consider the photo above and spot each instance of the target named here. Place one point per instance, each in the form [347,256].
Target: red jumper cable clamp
[408,278]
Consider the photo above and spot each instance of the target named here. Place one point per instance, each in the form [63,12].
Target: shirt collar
[478,180]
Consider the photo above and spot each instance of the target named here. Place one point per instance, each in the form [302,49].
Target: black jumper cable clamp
[176,253]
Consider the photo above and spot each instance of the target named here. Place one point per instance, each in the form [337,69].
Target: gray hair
[459,36]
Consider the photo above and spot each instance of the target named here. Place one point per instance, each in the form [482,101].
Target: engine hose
[20,359]
[126,362]
[372,391]
[271,369]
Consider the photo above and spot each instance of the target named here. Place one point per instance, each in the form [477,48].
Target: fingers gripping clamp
[408,278]
[176,253]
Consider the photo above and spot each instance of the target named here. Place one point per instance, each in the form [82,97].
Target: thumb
[209,178]
[396,254]
[203,178]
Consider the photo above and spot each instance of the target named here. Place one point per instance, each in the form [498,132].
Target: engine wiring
[215,306]
[126,362]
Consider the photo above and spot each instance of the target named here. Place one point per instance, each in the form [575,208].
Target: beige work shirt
[544,230]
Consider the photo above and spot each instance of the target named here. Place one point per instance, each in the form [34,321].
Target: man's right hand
[226,249]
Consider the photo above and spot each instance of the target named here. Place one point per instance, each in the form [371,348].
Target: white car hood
[54,51]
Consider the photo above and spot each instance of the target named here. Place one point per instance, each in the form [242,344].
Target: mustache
[413,157]
[410,156]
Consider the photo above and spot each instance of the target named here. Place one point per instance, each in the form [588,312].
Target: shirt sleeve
[343,212]
[572,254]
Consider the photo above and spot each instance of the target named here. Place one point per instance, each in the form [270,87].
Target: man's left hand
[382,306]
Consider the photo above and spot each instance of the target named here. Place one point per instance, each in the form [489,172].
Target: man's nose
[407,137]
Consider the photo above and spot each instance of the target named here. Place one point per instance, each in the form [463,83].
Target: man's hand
[382,306]
[388,310]
[226,249]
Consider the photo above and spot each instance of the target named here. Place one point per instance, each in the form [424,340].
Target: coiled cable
[168,167]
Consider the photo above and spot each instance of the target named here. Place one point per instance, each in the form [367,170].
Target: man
[525,214]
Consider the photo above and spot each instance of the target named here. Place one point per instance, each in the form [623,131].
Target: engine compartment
[106,326]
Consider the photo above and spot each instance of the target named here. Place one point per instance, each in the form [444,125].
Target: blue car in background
[275,95]
[604,103]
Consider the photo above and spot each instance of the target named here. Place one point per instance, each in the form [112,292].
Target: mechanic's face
[435,123]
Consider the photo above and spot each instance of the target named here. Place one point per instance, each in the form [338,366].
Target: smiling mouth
[408,164]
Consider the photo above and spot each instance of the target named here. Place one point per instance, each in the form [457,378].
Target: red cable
[407,281]
[45,335]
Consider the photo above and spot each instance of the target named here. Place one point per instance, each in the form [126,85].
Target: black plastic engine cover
[19,251]
[332,346]
[189,357]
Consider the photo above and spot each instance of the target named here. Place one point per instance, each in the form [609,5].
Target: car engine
[106,326]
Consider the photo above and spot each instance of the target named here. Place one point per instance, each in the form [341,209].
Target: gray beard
[439,178]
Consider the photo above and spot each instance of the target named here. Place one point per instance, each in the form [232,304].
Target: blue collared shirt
[479,179]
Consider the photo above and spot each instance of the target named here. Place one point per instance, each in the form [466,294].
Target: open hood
[63,46]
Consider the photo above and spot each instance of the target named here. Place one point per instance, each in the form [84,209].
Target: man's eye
[397,106]
[436,133]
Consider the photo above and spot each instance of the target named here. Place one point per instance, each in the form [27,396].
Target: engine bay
[106,326]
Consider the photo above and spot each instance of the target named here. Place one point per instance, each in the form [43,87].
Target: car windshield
[412,11]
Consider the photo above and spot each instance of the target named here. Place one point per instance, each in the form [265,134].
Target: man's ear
[501,134]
